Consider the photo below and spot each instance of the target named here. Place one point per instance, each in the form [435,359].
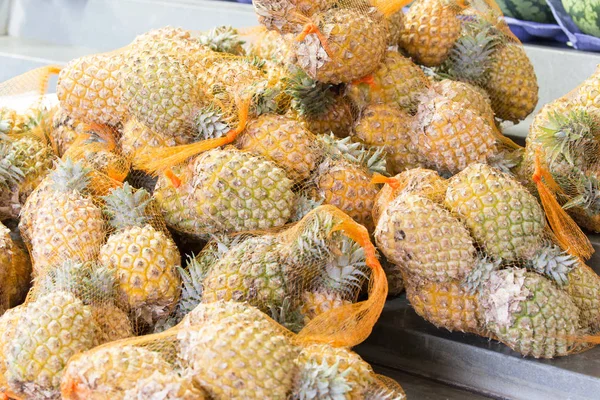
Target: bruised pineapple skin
[529,313]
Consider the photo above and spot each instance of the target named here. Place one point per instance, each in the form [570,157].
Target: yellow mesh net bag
[476,253]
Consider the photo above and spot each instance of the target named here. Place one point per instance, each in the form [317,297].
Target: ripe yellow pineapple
[317,302]
[397,81]
[472,96]
[269,45]
[168,386]
[38,352]
[451,136]
[239,357]
[110,371]
[15,270]
[62,221]
[395,28]
[288,16]
[25,160]
[425,239]
[65,131]
[431,27]
[328,372]
[446,305]
[137,137]
[284,141]
[89,89]
[8,325]
[389,127]
[355,45]
[144,257]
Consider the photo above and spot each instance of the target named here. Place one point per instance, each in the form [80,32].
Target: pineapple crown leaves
[69,176]
[565,135]
[323,379]
[91,283]
[306,204]
[346,268]
[265,99]
[126,206]
[10,174]
[223,39]
[554,263]
[310,98]
[588,198]
[507,160]
[287,315]
[481,273]
[210,123]
[311,244]
[371,157]
[469,59]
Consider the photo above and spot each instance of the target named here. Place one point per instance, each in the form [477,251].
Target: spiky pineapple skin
[537,318]
[65,130]
[88,89]
[285,16]
[389,127]
[473,97]
[430,29]
[65,226]
[349,378]
[145,261]
[348,187]
[252,271]
[113,323]
[239,357]
[587,93]
[503,217]
[584,289]
[235,191]
[284,141]
[8,327]
[336,119]
[446,305]
[110,371]
[424,239]
[511,83]
[169,386]
[451,136]
[270,45]
[395,27]
[51,330]
[136,137]
[397,81]
[356,40]
[15,271]
[318,302]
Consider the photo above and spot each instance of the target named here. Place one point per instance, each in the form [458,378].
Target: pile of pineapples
[194,218]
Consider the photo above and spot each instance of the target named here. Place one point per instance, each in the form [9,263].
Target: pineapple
[315,303]
[136,137]
[223,39]
[144,258]
[586,93]
[529,314]
[395,26]
[319,107]
[62,221]
[89,89]
[389,127]
[503,217]
[51,330]
[239,357]
[96,287]
[327,372]
[511,83]
[485,56]
[583,286]
[425,240]
[451,136]
[8,325]
[431,27]
[235,191]
[25,161]
[8,117]
[165,386]
[64,131]
[356,42]
[15,270]
[397,81]
[446,305]
[284,141]
[110,371]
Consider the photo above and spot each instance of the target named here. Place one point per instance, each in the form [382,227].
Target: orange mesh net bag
[561,151]
[476,252]
[227,345]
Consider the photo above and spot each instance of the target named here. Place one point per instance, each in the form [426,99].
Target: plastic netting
[562,149]
[477,255]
